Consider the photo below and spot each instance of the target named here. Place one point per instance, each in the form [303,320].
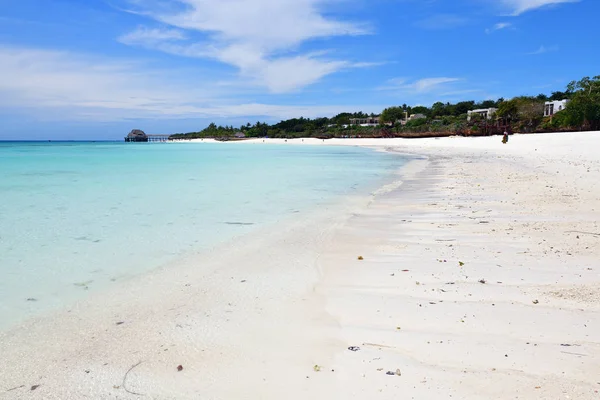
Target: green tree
[530,111]
[463,107]
[583,111]
[508,110]
[416,123]
[561,95]
[421,110]
[437,109]
[391,115]
[475,118]
[342,119]
[486,104]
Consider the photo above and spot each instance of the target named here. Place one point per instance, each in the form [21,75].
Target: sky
[95,69]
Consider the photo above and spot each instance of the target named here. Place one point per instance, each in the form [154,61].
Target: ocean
[78,217]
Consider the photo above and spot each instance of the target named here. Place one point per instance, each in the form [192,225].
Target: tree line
[519,114]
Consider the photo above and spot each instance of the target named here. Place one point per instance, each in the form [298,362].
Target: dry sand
[480,279]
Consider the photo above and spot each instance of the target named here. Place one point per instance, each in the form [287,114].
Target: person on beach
[505,137]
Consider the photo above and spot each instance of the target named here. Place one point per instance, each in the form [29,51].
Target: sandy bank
[481,275]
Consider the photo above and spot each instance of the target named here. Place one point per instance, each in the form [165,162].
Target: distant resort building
[369,121]
[137,135]
[552,107]
[485,113]
[416,116]
[411,118]
[376,121]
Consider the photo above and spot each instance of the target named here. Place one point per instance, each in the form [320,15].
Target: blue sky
[94,69]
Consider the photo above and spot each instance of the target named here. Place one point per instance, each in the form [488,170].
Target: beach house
[412,118]
[136,135]
[416,116]
[486,113]
[369,121]
[552,107]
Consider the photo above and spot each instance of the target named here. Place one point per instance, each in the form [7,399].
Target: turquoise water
[76,217]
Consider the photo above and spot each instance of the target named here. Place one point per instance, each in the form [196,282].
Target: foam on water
[75,217]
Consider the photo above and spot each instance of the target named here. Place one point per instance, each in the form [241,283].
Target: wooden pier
[158,138]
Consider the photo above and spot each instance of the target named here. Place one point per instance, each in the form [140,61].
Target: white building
[486,113]
[416,116]
[552,107]
[369,121]
[412,118]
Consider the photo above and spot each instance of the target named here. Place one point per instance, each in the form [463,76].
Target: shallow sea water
[76,217]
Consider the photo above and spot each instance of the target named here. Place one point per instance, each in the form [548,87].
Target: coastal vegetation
[523,114]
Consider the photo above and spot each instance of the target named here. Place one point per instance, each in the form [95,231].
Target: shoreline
[516,320]
[203,319]
[176,200]
[295,300]
[180,305]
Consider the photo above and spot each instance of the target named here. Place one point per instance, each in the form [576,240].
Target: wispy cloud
[256,36]
[66,86]
[518,7]
[543,50]
[442,21]
[498,27]
[144,35]
[461,92]
[433,89]
[424,85]
[369,64]
[33,78]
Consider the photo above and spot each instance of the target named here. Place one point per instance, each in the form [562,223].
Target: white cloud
[287,74]
[41,78]
[145,35]
[498,27]
[368,64]
[425,85]
[255,36]
[544,49]
[64,86]
[428,84]
[518,7]
[461,92]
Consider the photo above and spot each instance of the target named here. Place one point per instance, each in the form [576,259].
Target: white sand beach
[479,279]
